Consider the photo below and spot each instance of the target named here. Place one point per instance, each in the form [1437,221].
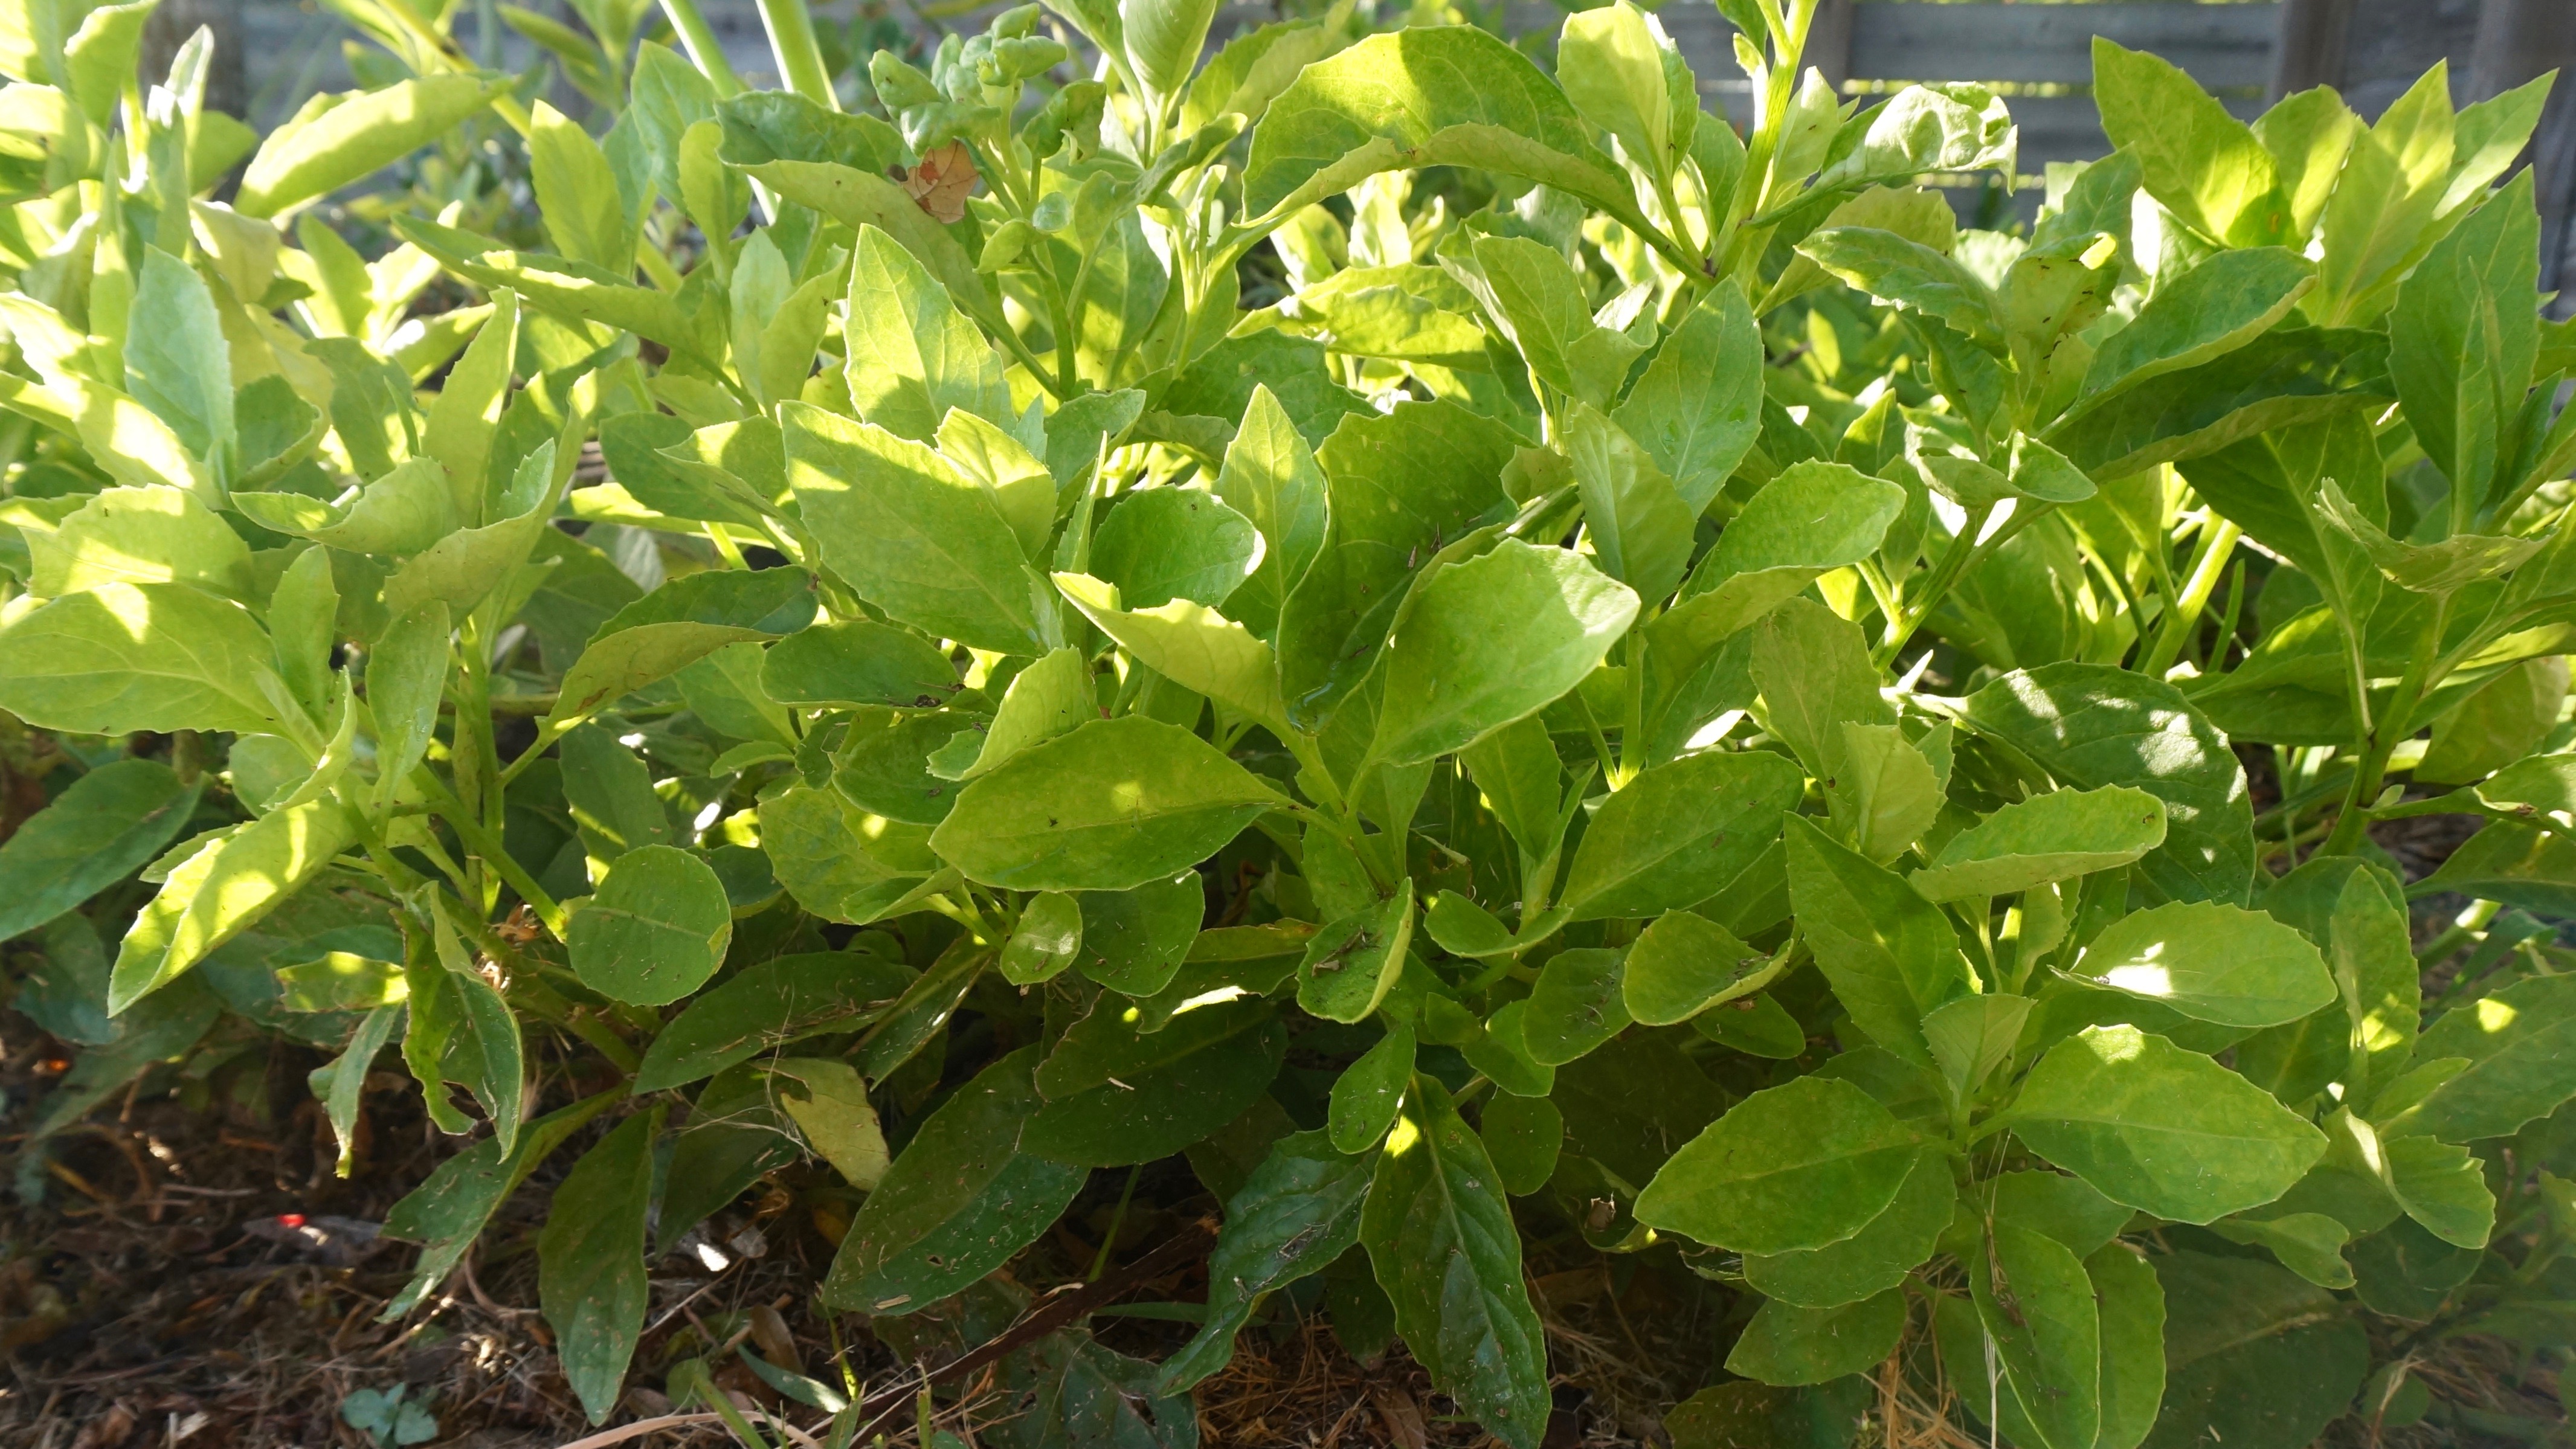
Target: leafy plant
[1661,696]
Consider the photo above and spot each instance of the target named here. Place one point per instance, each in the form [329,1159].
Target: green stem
[487,847]
[800,58]
[1117,1220]
[699,38]
[2393,726]
[2216,547]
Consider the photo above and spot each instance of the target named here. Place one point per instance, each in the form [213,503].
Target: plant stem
[699,38]
[1117,1220]
[2393,726]
[800,58]
[2216,546]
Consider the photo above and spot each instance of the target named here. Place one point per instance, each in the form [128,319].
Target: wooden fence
[2247,53]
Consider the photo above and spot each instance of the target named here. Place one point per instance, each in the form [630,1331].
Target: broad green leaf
[1119,1095]
[857,661]
[2358,917]
[2051,837]
[2211,962]
[841,861]
[2090,725]
[1078,1394]
[1914,213]
[1164,39]
[2284,377]
[590,1262]
[912,354]
[1891,955]
[1300,1210]
[1907,274]
[1885,793]
[1160,545]
[1111,806]
[912,534]
[1428,96]
[960,1200]
[1678,834]
[1440,1236]
[2464,337]
[1682,964]
[222,887]
[1193,646]
[303,619]
[1815,673]
[1043,941]
[608,790]
[764,1007]
[1525,1137]
[2130,1315]
[1789,1345]
[108,823]
[1534,296]
[138,536]
[679,624]
[125,657]
[2202,163]
[1799,1166]
[1365,1096]
[833,1114]
[577,193]
[2036,1303]
[2443,1187]
[2515,1042]
[2207,312]
[655,930]
[570,291]
[1872,1260]
[400,513]
[1637,524]
[2440,568]
[1811,519]
[1574,1006]
[325,148]
[2253,1354]
[1134,941]
[1944,126]
[1351,964]
[447,1213]
[406,672]
[1271,477]
[340,1085]
[1612,63]
[1698,406]
[2161,1129]
[1451,680]
[1048,698]
[1517,771]
[1971,1036]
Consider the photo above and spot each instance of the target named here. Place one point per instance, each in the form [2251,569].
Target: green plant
[387,1419]
[1473,747]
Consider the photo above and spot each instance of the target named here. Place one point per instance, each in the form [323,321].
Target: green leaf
[2253,1354]
[2443,1187]
[1971,1036]
[2202,163]
[1890,955]
[2091,725]
[406,673]
[1533,295]
[2215,963]
[2464,337]
[833,1114]
[1351,964]
[2207,312]
[590,1262]
[679,624]
[1678,834]
[1789,1345]
[106,825]
[912,354]
[2130,1307]
[1299,1211]
[577,193]
[1043,941]
[912,534]
[1271,477]
[447,1213]
[1885,793]
[1451,680]
[222,887]
[1118,1095]
[1367,1093]
[1134,941]
[2516,1042]
[1525,1137]
[1697,408]
[1810,520]
[655,930]
[355,134]
[1612,63]
[1682,964]
[608,790]
[1188,644]
[1793,1167]
[1111,806]
[1049,698]
[2439,568]
[959,1201]
[1440,1236]
[843,862]
[1637,524]
[1574,1006]
[1428,96]
[856,661]
[2057,836]
[2036,1303]
[341,1083]
[403,512]
[767,1006]
[1873,1260]
[1907,274]
[1814,669]
[2287,376]
[138,536]
[125,657]
[2161,1129]
[1163,544]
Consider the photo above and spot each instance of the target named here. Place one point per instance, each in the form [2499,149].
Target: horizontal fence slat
[2221,46]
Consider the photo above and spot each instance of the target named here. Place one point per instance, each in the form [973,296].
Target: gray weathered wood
[2311,45]
[2224,47]
[2517,41]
